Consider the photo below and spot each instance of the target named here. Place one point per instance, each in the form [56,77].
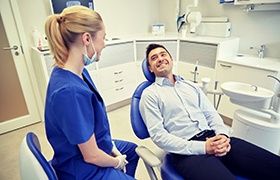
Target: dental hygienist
[75,116]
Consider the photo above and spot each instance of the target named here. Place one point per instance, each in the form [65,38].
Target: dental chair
[33,164]
[151,160]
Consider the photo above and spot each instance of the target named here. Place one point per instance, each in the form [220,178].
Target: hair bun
[60,19]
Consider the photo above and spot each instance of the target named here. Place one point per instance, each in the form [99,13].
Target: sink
[247,92]
[249,59]
[247,95]
[253,60]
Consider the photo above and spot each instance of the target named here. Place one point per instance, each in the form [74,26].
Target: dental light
[191,19]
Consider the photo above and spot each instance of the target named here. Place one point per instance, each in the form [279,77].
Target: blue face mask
[87,60]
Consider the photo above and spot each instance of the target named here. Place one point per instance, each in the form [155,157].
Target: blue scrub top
[74,110]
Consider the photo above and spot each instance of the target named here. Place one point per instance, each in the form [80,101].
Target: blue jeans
[244,158]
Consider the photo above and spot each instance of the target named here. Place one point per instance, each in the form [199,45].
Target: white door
[17,101]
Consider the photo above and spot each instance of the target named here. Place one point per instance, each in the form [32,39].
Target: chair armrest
[148,156]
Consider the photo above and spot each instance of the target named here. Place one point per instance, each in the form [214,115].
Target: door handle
[15,47]
[226,66]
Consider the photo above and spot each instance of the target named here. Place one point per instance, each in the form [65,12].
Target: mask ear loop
[92,47]
[85,50]
[92,44]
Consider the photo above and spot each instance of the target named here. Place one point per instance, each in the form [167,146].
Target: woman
[75,116]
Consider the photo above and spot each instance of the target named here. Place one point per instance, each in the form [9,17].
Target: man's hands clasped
[218,145]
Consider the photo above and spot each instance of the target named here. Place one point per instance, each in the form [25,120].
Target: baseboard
[118,105]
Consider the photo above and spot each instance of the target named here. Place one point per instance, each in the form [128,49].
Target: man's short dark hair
[152,46]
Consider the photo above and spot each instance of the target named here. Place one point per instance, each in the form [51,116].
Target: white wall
[253,28]
[33,13]
[167,14]
[121,17]
[124,17]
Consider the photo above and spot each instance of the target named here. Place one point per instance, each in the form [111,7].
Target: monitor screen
[59,5]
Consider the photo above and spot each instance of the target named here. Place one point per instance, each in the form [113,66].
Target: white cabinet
[42,64]
[117,72]
[118,82]
[232,72]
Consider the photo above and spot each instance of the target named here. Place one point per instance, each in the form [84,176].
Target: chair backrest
[137,122]
[33,164]
[147,73]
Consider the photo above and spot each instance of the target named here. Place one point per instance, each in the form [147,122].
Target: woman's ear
[86,38]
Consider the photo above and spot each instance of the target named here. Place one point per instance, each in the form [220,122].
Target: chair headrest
[147,73]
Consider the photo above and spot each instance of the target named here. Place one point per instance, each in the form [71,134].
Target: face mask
[87,60]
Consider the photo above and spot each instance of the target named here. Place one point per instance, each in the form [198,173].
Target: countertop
[265,63]
[167,37]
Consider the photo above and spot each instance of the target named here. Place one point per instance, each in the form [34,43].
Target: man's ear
[150,68]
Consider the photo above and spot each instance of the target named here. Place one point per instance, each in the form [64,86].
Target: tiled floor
[10,144]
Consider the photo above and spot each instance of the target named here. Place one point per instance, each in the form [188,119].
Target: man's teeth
[163,64]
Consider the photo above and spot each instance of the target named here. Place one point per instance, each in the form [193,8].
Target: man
[181,120]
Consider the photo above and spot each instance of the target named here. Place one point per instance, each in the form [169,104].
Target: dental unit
[205,84]
[259,120]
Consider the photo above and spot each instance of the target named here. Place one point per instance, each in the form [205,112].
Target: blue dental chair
[33,164]
[151,161]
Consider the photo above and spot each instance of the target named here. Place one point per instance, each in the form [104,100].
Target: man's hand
[218,145]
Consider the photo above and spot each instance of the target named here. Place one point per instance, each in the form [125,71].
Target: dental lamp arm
[192,18]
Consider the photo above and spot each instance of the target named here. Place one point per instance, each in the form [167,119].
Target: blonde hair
[63,29]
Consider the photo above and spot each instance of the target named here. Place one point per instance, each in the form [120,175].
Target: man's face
[160,62]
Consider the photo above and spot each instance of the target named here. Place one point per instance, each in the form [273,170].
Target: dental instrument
[195,70]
